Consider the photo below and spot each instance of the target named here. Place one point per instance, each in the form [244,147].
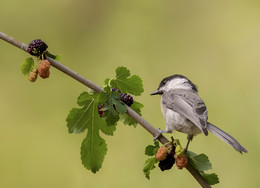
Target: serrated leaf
[151,150]
[80,118]
[122,72]
[27,66]
[127,84]
[104,95]
[108,130]
[148,166]
[127,120]
[93,150]
[200,162]
[212,178]
[84,98]
[111,117]
[156,143]
[134,85]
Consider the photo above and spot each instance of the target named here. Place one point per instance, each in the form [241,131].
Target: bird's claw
[158,135]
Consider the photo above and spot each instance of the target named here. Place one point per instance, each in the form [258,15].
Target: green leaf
[151,150]
[191,154]
[81,118]
[127,120]
[112,108]
[93,150]
[122,72]
[56,57]
[84,98]
[104,95]
[119,105]
[125,83]
[156,143]
[108,130]
[27,66]
[200,162]
[106,81]
[134,85]
[212,179]
[148,166]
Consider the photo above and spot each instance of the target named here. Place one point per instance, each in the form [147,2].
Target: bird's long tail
[226,138]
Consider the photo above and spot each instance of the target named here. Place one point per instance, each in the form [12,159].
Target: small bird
[186,112]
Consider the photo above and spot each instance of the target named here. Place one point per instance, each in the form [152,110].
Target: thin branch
[98,89]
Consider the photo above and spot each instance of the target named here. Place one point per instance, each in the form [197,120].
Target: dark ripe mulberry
[100,112]
[127,99]
[167,163]
[37,47]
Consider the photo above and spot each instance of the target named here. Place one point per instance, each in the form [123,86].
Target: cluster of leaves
[200,162]
[149,164]
[94,147]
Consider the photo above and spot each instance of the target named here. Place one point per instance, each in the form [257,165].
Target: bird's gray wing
[189,104]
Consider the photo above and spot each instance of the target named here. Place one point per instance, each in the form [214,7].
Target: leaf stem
[147,126]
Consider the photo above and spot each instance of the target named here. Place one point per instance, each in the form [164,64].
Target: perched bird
[185,111]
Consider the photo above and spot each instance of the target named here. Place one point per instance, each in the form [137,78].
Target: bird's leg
[159,134]
[189,137]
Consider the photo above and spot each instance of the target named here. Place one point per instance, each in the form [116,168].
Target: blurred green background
[214,43]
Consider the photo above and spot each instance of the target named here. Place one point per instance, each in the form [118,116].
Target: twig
[98,89]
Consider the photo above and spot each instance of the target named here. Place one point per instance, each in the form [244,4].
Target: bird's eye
[164,82]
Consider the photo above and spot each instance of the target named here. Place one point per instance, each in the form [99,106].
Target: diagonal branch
[98,89]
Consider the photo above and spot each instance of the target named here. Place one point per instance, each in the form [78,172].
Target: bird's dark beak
[156,92]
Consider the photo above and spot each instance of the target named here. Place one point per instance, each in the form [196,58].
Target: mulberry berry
[127,99]
[99,110]
[37,47]
[44,69]
[181,161]
[161,153]
[167,163]
[33,76]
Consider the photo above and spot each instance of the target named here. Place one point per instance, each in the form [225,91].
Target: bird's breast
[176,121]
